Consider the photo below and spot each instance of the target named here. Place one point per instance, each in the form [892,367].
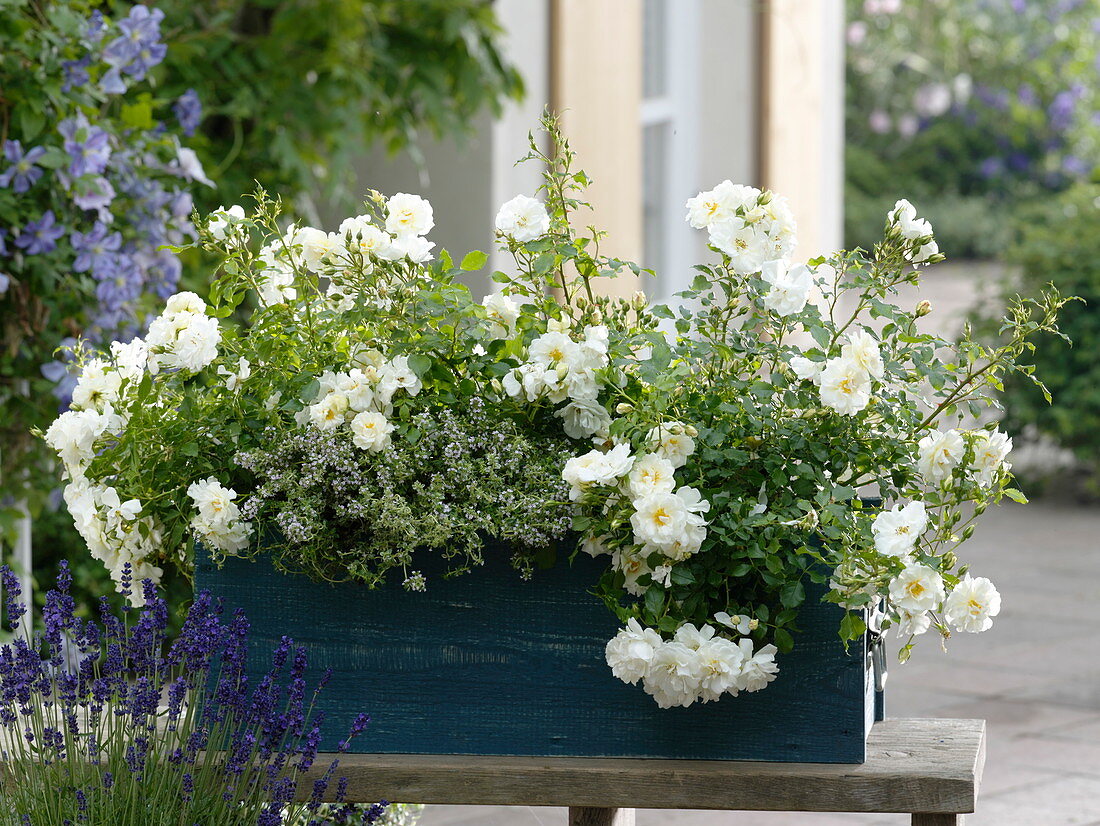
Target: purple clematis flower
[90,155]
[112,83]
[22,171]
[5,282]
[95,28]
[39,237]
[138,48]
[94,193]
[3,242]
[76,73]
[94,249]
[188,109]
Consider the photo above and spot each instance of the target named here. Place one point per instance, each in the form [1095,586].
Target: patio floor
[1035,677]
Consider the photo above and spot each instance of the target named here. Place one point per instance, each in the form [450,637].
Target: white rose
[582,418]
[73,435]
[862,349]
[503,312]
[97,387]
[671,440]
[222,220]
[991,448]
[552,349]
[939,454]
[807,370]
[721,662]
[897,530]
[415,247]
[790,287]
[630,652]
[196,345]
[758,669]
[523,219]
[660,519]
[328,413]
[719,205]
[917,588]
[674,676]
[913,624]
[633,564]
[371,431]
[400,375]
[408,215]
[747,246]
[130,358]
[845,386]
[651,474]
[972,604]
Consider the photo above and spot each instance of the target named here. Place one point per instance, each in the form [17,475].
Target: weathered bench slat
[913,765]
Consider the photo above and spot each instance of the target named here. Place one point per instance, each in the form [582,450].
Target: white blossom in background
[862,349]
[991,449]
[845,386]
[972,604]
[917,588]
[806,369]
[939,453]
[897,530]
[523,219]
[223,220]
[751,227]
[503,312]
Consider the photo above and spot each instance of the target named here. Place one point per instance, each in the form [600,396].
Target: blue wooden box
[488,664]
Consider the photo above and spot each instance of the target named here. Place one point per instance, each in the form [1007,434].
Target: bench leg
[937,820]
[592,816]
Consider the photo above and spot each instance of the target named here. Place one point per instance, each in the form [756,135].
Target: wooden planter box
[488,664]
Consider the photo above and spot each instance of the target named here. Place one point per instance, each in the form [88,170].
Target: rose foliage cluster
[724,454]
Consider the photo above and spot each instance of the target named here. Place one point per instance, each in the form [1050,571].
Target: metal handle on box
[876,645]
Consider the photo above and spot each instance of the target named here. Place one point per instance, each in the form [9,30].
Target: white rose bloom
[633,564]
[401,375]
[925,252]
[630,652]
[721,662]
[184,302]
[523,219]
[595,546]
[408,215]
[694,638]
[671,440]
[674,675]
[807,370]
[317,246]
[790,287]
[917,588]
[651,474]
[222,220]
[503,312]
[897,530]
[233,381]
[98,386]
[583,418]
[719,205]
[552,349]
[991,448]
[415,247]
[277,284]
[218,523]
[693,500]
[130,358]
[329,412]
[196,345]
[747,246]
[371,431]
[661,519]
[357,388]
[581,385]
[740,623]
[862,349]
[913,624]
[687,543]
[845,386]
[759,669]
[363,236]
[971,606]
[939,454]
[73,435]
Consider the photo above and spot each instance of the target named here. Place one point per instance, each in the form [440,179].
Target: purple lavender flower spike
[12,591]
[188,110]
[22,170]
[94,248]
[40,237]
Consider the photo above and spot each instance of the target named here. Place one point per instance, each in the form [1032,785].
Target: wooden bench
[928,768]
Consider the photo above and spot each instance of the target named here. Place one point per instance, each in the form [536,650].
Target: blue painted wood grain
[487,664]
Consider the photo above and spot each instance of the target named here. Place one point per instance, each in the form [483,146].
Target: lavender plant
[93,182]
[108,723]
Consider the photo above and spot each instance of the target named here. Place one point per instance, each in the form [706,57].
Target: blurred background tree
[973,106]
